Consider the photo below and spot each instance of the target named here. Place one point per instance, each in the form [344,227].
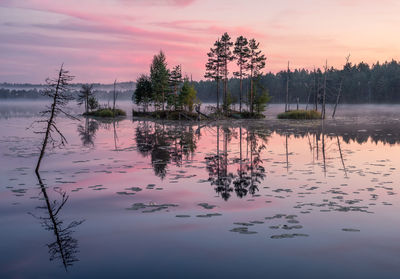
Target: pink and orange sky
[100,40]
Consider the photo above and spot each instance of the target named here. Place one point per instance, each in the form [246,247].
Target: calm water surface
[258,199]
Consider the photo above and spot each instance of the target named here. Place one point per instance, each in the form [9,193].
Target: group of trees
[361,83]
[164,87]
[249,60]
[86,97]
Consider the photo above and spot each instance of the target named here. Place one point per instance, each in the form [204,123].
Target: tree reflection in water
[243,173]
[87,132]
[250,171]
[217,166]
[64,247]
[165,144]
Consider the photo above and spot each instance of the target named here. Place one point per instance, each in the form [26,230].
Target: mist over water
[255,198]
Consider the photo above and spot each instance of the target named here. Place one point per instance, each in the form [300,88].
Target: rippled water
[252,199]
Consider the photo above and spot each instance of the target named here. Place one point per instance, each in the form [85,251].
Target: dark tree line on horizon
[361,83]
[36,94]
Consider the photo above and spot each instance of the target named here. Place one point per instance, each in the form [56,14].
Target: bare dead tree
[115,96]
[324,94]
[340,88]
[58,90]
[287,89]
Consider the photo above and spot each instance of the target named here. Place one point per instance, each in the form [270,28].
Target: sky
[104,40]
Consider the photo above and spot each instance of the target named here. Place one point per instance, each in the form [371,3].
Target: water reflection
[249,169]
[235,166]
[64,247]
[165,144]
[87,132]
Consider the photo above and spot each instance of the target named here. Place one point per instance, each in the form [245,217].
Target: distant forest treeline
[361,83]
[32,91]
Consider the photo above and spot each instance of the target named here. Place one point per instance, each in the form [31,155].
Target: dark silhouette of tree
[159,75]
[85,94]
[214,66]
[226,57]
[175,80]
[255,64]
[241,54]
[144,92]
[58,90]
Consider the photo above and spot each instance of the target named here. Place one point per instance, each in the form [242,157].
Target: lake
[227,199]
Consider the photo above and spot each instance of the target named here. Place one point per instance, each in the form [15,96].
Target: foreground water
[268,198]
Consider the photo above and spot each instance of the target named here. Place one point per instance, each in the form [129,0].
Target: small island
[167,94]
[87,98]
[300,114]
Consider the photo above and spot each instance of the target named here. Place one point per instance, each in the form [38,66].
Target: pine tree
[241,54]
[214,66]
[159,75]
[255,64]
[226,57]
[85,94]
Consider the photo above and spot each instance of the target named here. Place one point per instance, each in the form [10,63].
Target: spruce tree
[241,54]
[85,94]
[214,66]
[255,64]
[159,75]
[175,81]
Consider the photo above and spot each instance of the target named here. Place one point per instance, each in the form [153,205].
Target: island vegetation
[165,93]
[87,98]
[300,114]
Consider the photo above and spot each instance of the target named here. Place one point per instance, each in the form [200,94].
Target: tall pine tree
[214,66]
[241,54]
[255,64]
[226,57]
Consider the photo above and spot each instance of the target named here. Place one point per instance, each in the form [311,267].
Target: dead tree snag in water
[58,90]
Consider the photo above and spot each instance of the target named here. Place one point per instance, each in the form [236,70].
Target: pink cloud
[99,37]
[180,3]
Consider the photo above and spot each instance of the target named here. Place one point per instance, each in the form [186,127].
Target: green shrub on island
[106,112]
[300,114]
[167,115]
